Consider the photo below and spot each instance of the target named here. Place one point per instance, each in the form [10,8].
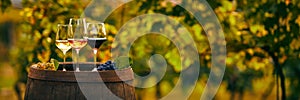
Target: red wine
[96,42]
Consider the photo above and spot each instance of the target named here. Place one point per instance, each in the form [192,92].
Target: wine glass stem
[77,60]
[64,65]
[95,58]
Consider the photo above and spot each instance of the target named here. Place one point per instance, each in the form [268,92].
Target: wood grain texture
[59,85]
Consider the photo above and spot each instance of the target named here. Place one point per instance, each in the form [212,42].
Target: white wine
[63,45]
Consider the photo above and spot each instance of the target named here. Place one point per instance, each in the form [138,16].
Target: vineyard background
[262,41]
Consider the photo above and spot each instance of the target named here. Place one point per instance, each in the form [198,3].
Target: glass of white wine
[78,36]
[96,37]
[61,40]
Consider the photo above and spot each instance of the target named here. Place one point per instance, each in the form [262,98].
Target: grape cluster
[46,66]
[108,65]
[52,65]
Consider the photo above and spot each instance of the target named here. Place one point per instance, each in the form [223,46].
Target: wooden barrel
[70,85]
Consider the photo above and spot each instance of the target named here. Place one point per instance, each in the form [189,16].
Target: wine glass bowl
[78,28]
[61,40]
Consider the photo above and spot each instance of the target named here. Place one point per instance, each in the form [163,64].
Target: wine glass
[61,40]
[78,36]
[96,36]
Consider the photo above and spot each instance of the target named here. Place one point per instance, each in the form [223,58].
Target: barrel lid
[82,76]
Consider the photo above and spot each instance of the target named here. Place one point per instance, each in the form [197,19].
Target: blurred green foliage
[4,4]
[262,39]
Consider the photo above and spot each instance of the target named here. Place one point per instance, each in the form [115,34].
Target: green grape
[46,66]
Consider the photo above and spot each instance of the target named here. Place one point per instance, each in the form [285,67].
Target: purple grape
[108,65]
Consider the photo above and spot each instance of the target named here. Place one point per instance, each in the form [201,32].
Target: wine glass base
[77,70]
[94,70]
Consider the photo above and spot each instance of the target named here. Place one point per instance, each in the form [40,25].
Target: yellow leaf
[295,44]
[250,51]
[254,28]
[298,20]
[229,61]
[165,87]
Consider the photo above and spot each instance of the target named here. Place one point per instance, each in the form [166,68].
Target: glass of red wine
[78,36]
[96,37]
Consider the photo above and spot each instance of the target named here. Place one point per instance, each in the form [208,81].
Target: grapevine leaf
[55,62]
